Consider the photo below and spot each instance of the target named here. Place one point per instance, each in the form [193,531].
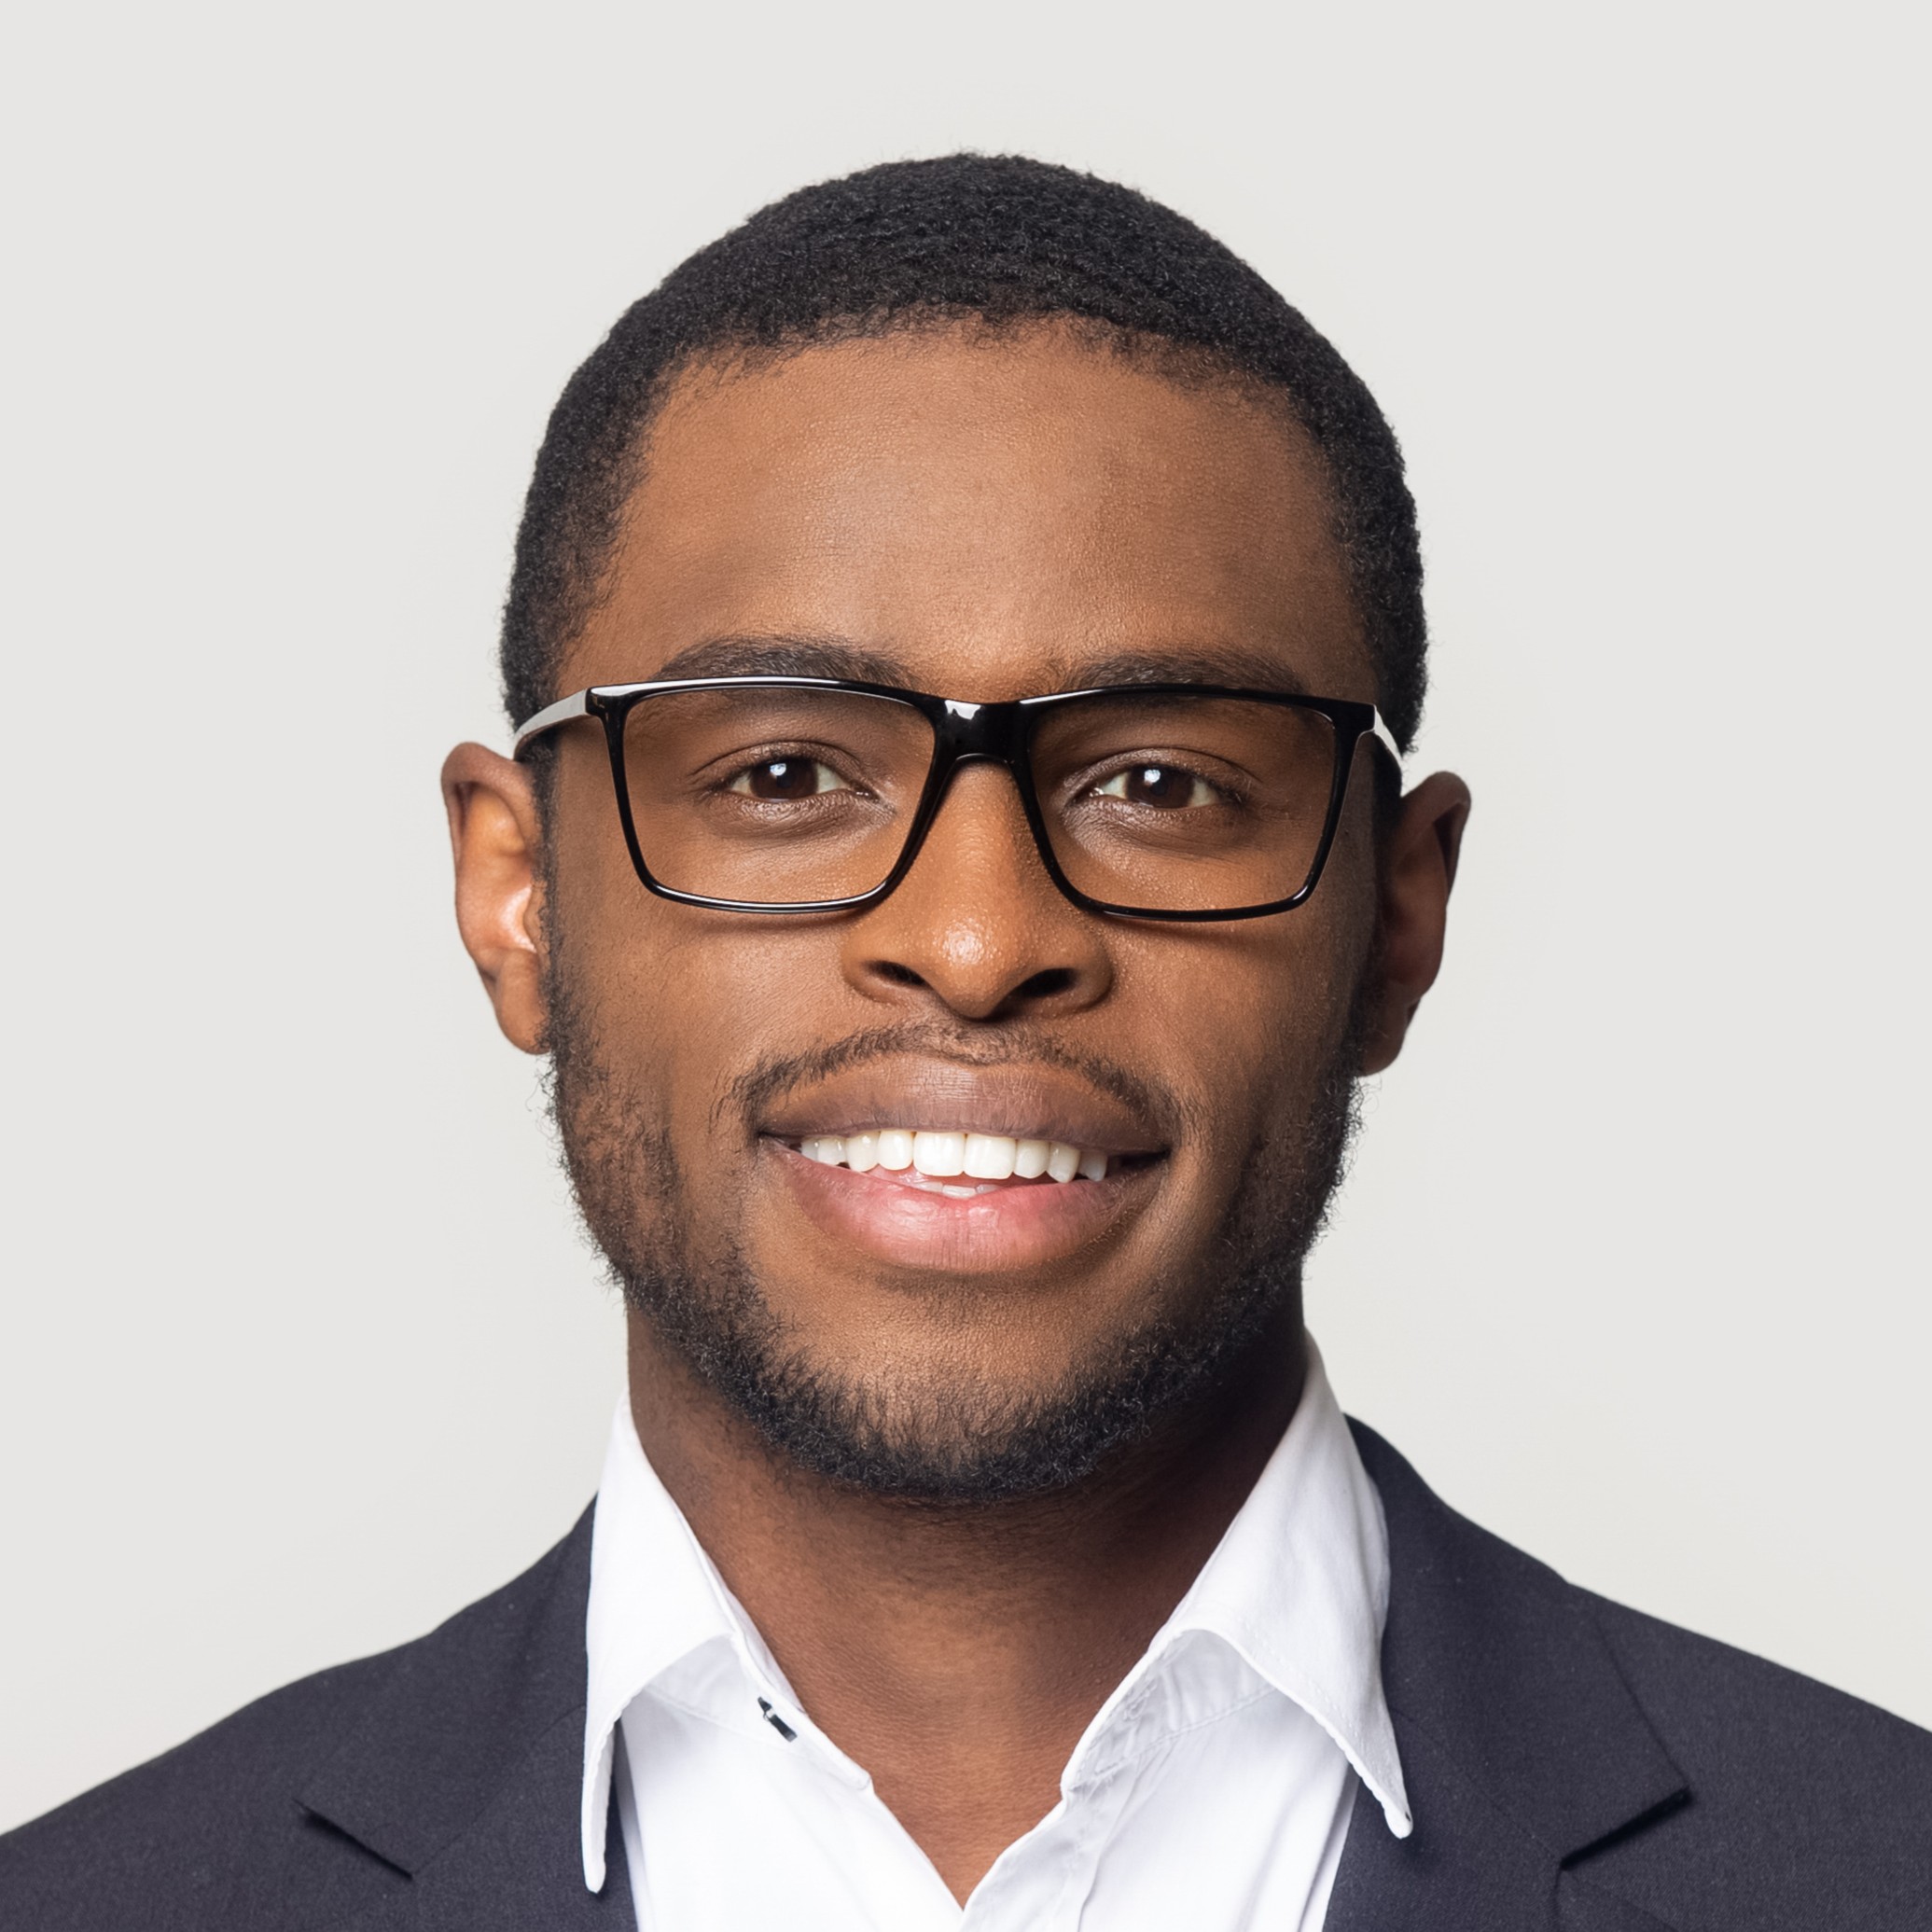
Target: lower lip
[1005,1228]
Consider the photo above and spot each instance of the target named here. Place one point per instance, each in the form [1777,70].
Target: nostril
[899,975]
[1047,984]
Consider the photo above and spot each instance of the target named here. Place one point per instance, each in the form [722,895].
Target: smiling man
[965,634]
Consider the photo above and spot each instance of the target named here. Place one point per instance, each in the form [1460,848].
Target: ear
[1417,867]
[494,833]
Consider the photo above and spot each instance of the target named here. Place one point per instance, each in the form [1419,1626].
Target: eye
[778,781]
[1162,788]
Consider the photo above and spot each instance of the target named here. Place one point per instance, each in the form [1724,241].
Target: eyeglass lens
[771,795]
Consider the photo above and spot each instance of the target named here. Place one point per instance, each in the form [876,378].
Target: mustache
[761,1086]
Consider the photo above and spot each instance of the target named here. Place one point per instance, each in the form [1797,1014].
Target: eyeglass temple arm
[1378,730]
[561,712]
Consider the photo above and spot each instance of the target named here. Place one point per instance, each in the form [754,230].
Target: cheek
[1247,1015]
[692,1000]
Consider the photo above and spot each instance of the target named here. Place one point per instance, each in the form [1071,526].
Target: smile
[962,1202]
[925,1163]
[946,1163]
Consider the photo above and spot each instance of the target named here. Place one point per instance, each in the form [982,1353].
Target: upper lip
[1022,1102]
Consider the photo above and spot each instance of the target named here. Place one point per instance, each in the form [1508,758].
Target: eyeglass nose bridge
[967,730]
[965,734]
[976,734]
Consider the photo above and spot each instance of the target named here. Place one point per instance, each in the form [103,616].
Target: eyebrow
[783,655]
[1235,664]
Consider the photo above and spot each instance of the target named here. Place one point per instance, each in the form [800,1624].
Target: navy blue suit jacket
[1572,1766]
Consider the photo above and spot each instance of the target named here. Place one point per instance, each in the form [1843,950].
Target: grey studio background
[300,1350]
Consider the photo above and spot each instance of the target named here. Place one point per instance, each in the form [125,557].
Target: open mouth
[925,1162]
[961,1165]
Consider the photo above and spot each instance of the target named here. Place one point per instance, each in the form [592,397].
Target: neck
[958,1652]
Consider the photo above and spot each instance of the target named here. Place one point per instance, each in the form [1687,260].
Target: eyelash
[739,781]
[743,769]
[1122,778]
[1227,791]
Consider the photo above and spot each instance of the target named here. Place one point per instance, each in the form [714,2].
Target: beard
[964,1443]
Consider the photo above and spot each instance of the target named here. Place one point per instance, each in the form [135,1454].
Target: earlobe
[493,838]
[1418,864]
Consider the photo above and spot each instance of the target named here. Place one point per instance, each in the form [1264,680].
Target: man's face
[984,520]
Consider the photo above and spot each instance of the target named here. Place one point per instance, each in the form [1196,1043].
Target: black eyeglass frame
[965,734]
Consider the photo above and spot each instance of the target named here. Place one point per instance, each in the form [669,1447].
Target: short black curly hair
[996,240]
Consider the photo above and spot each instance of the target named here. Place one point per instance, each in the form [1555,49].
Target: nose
[977,924]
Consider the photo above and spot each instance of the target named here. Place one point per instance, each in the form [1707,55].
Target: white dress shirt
[1212,1788]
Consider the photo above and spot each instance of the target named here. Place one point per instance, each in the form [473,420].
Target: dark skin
[985,519]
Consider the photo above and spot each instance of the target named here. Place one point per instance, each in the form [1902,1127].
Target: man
[964,635]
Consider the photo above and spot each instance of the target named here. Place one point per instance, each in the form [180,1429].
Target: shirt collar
[655,1598]
[1297,1587]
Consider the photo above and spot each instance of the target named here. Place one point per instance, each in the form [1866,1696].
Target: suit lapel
[1465,1868]
[1521,1746]
[518,1864]
[465,1767]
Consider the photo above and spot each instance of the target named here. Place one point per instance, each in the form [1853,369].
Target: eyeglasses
[1178,801]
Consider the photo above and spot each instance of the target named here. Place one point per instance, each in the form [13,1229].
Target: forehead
[985,517]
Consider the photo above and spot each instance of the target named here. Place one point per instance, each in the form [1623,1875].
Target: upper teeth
[980,1156]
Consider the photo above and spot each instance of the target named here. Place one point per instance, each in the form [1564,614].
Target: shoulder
[185,1838]
[215,1833]
[1792,1785]
[1700,1783]
[1731,1713]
